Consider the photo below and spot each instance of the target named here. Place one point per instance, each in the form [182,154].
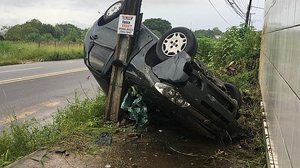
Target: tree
[58,32]
[208,33]
[47,28]
[34,23]
[72,36]
[34,30]
[34,37]
[1,37]
[158,25]
[14,33]
[3,30]
[217,31]
[47,37]
[69,32]
[27,31]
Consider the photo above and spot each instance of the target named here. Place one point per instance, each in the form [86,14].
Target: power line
[219,13]
[238,3]
[236,8]
[233,12]
[257,7]
[245,3]
[242,4]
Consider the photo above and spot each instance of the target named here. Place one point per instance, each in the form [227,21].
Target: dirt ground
[151,147]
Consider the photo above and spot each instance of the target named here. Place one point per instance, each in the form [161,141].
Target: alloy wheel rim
[114,9]
[174,44]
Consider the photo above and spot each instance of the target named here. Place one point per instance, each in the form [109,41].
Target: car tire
[234,92]
[113,11]
[176,40]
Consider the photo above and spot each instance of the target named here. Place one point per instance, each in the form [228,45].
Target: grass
[253,145]
[235,58]
[22,52]
[81,119]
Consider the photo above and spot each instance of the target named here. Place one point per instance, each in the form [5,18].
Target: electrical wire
[245,2]
[237,5]
[233,12]
[219,12]
[237,9]
[241,4]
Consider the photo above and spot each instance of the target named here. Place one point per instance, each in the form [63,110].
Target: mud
[169,146]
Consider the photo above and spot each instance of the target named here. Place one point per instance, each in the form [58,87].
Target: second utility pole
[248,14]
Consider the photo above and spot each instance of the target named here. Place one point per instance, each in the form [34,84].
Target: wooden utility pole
[248,13]
[123,50]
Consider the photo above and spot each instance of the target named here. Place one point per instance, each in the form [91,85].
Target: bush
[240,45]
[235,58]
[206,45]
[238,51]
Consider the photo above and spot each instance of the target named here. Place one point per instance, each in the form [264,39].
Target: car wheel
[113,11]
[176,40]
[234,92]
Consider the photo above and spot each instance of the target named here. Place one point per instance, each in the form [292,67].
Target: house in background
[280,80]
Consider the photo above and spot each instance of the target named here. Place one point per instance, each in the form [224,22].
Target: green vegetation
[36,41]
[20,52]
[36,31]
[213,34]
[158,26]
[80,119]
[235,58]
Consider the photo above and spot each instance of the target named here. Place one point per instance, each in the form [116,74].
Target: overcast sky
[194,14]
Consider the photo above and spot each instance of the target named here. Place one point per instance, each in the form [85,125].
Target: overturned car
[165,74]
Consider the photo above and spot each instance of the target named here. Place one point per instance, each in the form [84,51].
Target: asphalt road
[37,90]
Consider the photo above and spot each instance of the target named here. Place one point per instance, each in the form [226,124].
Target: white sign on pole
[126,24]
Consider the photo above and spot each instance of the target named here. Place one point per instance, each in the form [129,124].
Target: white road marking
[5,96]
[16,70]
[42,75]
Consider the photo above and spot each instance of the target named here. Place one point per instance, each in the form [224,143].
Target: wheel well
[151,58]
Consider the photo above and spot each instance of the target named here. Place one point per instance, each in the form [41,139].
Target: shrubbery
[235,58]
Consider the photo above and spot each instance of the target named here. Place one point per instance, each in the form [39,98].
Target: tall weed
[21,52]
[235,59]
[22,138]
